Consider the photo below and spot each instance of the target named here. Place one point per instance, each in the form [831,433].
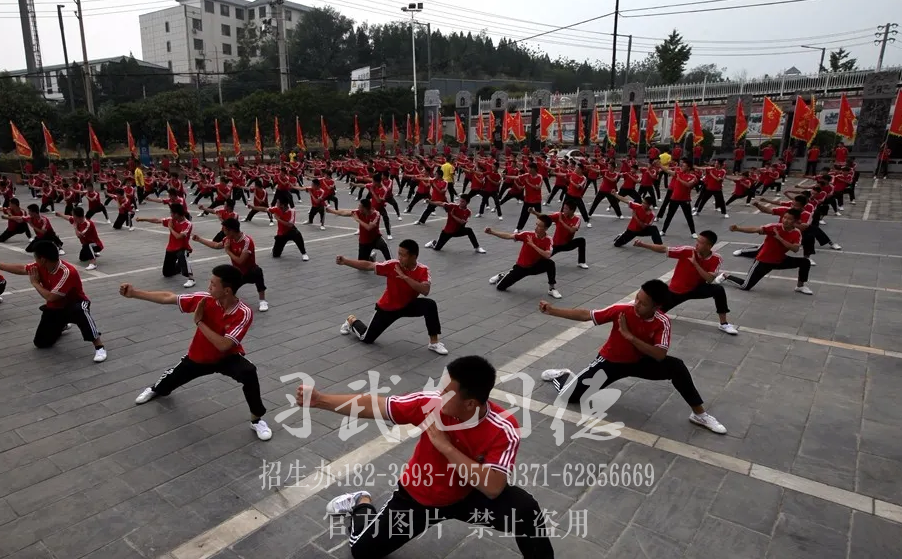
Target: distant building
[201,36]
[50,84]
[792,71]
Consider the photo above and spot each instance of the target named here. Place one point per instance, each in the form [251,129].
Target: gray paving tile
[801,538]
[719,538]
[638,543]
[748,502]
[874,538]
[675,509]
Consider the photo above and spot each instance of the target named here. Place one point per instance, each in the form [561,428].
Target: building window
[197,24]
[252,33]
[199,63]
[227,66]
[241,51]
[166,25]
[250,14]
[239,13]
[224,10]
[208,6]
[262,12]
[287,15]
[239,33]
[198,44]
[168,46]
[226,30]
[169,64]
[227,49]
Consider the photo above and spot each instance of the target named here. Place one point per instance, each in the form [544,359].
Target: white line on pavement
[867,211]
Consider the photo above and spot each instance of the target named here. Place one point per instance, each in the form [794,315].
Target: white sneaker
[345,328]
[67,327]
[495,279]
[656,219]
[822,222]
[551,374]
[842,209]
[729,329]
[99,355]
[695,235]
[1,299]
[583,265]
[91,266]
[805,290]
[480,250]
[305,258]
[271,223]
[838,214]
[264,306]
[478,215]
[812,262]
[322,227]
[190,283]
[132,228]
[430,244]
[719,279]
[694,212]
[835,246]
[62,252]
[555,293]
[389,237]
[737,253]
[344,504]
[500,218]
[108,222]
[663,233]
[372,255]
[264,433]
[709,421]
[145,396]
[607,209]
[438,347]
[621,216]
[726,216]
[200,214]
[516,231]
[748,204]
[853,202]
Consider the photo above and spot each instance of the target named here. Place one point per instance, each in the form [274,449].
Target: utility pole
[86,69]
[429,54]
[884,31]
[278,8]
[820,68]
[59,13]
[33,70]
[614,54]
[413,8]
[629,52]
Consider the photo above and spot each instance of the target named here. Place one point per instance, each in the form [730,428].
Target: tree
[704,73]
[77,76]
[840,61]
[672,55]
[125,80]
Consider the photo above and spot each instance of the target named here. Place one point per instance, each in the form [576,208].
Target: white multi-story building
[49,79]
[200,37]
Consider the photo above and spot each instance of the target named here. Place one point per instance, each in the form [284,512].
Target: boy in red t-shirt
[534,258]
[179,246]
[640,224]
[456,226]
[566,224]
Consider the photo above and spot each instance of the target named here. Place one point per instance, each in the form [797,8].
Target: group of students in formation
[638,345]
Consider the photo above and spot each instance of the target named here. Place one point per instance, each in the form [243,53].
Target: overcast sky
[752,41]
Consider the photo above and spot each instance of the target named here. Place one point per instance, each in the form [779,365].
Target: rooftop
[54,67]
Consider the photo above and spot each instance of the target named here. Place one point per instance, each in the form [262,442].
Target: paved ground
[809,392]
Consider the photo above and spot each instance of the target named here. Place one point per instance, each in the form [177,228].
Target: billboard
[360,80]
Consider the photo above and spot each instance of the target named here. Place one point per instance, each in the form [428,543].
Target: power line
[717,9]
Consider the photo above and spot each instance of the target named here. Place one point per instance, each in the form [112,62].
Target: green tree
[125,80]
[75,74]
[672,56]
[840,61]
[22,104]
[704,73]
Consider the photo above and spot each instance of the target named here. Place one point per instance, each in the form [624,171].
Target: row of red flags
[804,127]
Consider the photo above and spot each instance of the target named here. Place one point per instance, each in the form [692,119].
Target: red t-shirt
[814,154]
[533,189]
[454,210]
[841,154]
[577,186]
[806,212]
[654,331]
[528,256]
[64,281]
[182,227]
[642,218]
[682,186]
[398,293]
[230,323]
[285,215]
[368,236]
[772,251]
[494,441]
[86,232]
[239,247]
[609,181]
[561,235]
[43,223]
[767,153]
[629,181]
[714,179]
[685,276]
[438,192]
[741,186]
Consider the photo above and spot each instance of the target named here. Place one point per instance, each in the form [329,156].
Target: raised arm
[206,242]
[156,220]
[363,265]
[160,297]
[581,315]
[364,405]
[660,249]
[342,213]
[499,234]
[17,269]
[749,230]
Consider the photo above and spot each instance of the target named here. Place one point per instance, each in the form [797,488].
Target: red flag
[698,135]
[580,132]
[381,131]
[416,129]
[236,143]
[22,147]
[430,131]
[92,139]
[480,128]
[593,133]
[395,135]
[218,142]
[258,141]
[633,131]
[49,143]
[742,123]
[277,134]
[356,133]
[505,127]
[491,133]
[803,121]
[560,128]
[409,136]
[612,128]
[521,126]
[459,129]
[680,124]
[546,119]
[191,145]
[651,122]
[171,145]
[895,127]
[300,135]
[770,117]
[846,125]
[324,133]
[132,148]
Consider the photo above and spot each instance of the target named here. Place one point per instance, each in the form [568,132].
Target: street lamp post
[823,50]
[413,8]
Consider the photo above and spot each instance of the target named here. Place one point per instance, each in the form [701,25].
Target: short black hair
[229,275]
[544,219]
[230,203]
[569,203]
[649,200]
[658,291]
[467,196]
[47,250]
[232,224]
[801,199]
[366,203]
[34,208]
[794,213]
[177,209]
[410,246]
[475,376]
[78,211]
[710,235]
[14,201]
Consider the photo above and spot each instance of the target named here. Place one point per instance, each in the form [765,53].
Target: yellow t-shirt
[139,177]
[447,171]
[665,159]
